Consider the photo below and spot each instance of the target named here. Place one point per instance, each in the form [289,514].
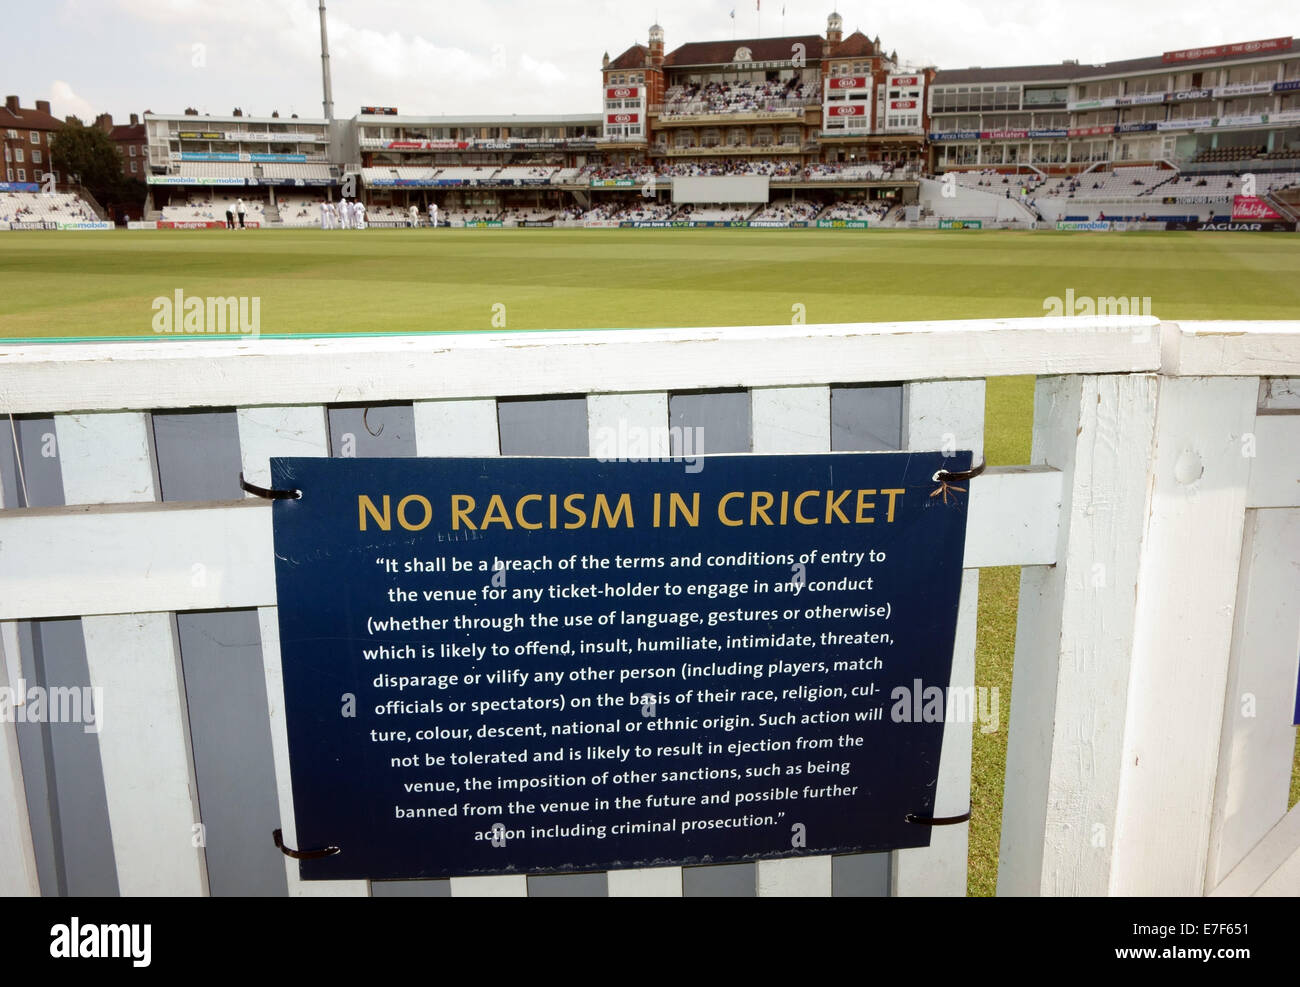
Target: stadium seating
[276,170]
[844,172]
[1276,181]
[855,209]
[713,214]
[1213,155]
[1197,186]
[526,172]
[521,214]
[198,209]
[299,210]
[726,97]
[787,211]
[55,207]
[216,169]
[473,173]
[402,172]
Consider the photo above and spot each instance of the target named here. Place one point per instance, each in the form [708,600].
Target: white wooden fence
[1158,525]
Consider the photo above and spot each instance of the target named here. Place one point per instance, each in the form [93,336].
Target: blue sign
[539,665]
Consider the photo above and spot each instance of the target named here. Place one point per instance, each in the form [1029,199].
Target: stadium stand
[214,169]
[723,97]
[1196,186]
[299,210]
[199,210]
[33,207]
[518,214]
[844,172]
[716,213]
[400,172]
[526,173]
[476,172]
[296,170]
[787,211]
[1214,155]
[855,209]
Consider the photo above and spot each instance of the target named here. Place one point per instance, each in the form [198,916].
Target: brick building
[131,142]
[796,100]
[26,134]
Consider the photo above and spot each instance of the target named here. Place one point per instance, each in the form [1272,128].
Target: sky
[505,56]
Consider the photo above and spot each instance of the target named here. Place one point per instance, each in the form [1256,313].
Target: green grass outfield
[56,284]
[70,285]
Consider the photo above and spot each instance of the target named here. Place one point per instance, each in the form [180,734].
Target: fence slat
[456,428]
[1255,758]
[145,752]
[144,743]
[1182,635]
[1074,639]
[106,458]
[792,420]
[1275,464]
[465,428]
[645,882]
[17,854]
[278,431]
[610,416]
[937,416]
[18,874]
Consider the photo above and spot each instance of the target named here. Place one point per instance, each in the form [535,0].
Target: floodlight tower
[328,101]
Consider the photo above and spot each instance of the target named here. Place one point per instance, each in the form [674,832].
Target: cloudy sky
[510,56]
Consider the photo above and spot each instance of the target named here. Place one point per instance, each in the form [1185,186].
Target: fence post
[1187,591]
[1074,638]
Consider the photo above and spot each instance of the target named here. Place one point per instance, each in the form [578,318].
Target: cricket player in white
[324,216]
[359,210]
[433,214]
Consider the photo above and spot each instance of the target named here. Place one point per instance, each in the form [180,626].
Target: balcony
[722,150]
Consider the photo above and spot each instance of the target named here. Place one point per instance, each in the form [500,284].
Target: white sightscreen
[732,188]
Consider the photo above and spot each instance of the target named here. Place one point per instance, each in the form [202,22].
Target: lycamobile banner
[192,180]
[961,224]
[1076,225]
